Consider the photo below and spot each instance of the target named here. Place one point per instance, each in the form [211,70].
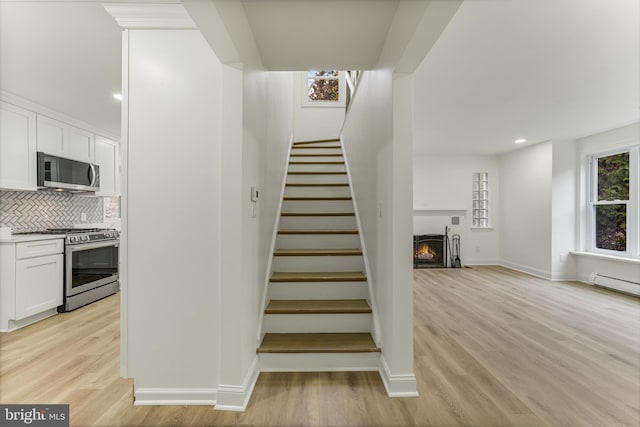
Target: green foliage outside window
[613,185]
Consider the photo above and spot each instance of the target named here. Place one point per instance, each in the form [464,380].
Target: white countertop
[17,238]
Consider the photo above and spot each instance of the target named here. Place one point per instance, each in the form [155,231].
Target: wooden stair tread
[316,231]
[317,184]
[317,155]
[317,163]
[318,343]
[315,141]
[310,306]
[317,252]
[317,214]
[319,276]
[317,172]
[316,148]
[319,198]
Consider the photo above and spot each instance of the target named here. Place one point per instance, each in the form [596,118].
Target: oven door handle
[87,246]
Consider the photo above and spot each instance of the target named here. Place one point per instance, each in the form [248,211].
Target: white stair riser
[318,241]
[317,222]
[295,158]
[317,263]
[317,206]
[317,168]
[316,150]
[318,290]
[317,192]
[317,179]
[317,323]
[318,362]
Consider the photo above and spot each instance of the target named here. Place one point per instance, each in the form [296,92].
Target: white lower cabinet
[38,284]
[31,281]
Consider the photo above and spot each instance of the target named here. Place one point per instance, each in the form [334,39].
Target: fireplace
[429,251]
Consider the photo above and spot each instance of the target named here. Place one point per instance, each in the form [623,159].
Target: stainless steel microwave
[66,174]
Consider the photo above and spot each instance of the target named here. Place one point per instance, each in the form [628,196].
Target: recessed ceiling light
[118,96]
[520,141]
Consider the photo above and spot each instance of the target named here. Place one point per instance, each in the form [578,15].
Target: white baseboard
[397,385]
[472,262]
[17,324]
[236,397]
[526,269]
[556,277]
[174,396]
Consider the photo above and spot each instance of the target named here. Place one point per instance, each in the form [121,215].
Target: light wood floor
[492,347]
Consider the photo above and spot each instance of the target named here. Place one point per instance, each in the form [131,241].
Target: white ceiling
[65,56]
[534,69]
[502,69]
[301,35]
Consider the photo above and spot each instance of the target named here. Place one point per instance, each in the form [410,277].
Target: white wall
[313,123]
[602,142]
[173,195]
[563,210]
[273,155]
[380,162]
[525,214]
[256,158]
[442,189]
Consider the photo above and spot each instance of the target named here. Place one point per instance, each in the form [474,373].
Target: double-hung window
[614,219]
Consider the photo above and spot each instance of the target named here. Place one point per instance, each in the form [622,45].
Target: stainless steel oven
[91,266]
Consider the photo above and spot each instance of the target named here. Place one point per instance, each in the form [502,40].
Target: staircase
[318,316]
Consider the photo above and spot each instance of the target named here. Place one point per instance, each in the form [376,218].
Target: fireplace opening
[429,251]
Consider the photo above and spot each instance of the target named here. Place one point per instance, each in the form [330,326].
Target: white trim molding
[236,397]
[377,330]
[402,385]
[132,15]
[274,236]
[174,396]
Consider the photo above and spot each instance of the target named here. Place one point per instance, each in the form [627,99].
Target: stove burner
[74,230]
[80,235]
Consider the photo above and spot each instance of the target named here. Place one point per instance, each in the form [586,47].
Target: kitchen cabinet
[61,139]
[17,148]
[108,158]
[31,286]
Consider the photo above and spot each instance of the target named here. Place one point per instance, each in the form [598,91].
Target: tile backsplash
[38,210]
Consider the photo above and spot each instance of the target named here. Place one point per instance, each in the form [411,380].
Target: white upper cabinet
[108,158]
[60,139]
[17,148]
[81,145]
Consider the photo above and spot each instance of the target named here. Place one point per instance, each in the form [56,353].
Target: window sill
[323,104]
[481,228]
[607,257]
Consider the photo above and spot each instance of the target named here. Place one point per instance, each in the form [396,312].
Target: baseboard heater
[614,283]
